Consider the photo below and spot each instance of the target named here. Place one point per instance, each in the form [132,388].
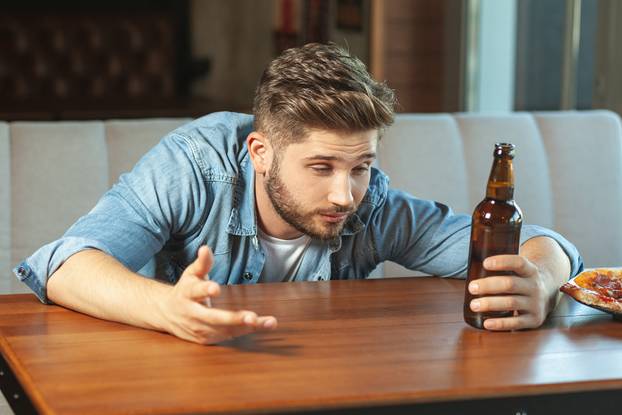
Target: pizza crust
[600,288]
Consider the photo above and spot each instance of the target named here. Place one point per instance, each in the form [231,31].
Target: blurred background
[99,59]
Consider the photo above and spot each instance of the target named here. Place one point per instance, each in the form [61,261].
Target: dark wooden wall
[69,59]
[412,52]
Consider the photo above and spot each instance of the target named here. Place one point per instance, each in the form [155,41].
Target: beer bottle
[495,228]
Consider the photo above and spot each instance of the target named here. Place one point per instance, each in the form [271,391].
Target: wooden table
[374,346]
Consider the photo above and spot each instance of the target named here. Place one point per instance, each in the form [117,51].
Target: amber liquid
[495,231]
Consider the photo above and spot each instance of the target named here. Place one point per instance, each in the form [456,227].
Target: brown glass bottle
[495,228]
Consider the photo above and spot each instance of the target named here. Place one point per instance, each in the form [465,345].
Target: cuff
[37,269]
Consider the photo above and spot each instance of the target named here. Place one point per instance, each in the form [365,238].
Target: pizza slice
[599,288]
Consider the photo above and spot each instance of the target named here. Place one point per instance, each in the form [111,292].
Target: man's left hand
[541,268]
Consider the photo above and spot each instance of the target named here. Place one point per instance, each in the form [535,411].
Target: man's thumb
[203,264]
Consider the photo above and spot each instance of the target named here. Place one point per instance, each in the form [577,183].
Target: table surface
[340,344]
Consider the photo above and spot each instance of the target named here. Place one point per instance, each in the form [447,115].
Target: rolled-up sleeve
[133,220]
[571,251]
[429,237]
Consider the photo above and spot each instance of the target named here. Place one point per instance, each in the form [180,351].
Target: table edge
[23,377]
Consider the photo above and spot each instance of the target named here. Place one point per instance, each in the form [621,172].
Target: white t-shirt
[283,256]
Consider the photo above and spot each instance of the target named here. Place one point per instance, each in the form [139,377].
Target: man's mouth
[335,217]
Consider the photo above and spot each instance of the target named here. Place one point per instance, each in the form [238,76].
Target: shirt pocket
[219,242]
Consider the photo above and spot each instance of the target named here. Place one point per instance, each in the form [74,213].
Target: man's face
[315,185]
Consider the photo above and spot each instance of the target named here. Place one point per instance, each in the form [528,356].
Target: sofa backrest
[568,173]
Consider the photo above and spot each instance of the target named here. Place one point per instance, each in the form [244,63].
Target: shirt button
[247,276]
[21,271]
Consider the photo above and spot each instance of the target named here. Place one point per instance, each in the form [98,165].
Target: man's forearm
[553,262]
[94,283]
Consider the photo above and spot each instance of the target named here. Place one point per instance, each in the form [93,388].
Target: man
[288,195]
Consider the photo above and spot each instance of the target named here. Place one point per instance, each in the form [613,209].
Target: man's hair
[319,87]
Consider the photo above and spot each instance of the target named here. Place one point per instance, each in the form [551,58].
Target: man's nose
[341,191]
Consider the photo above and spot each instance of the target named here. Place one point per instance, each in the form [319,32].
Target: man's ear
[260,151]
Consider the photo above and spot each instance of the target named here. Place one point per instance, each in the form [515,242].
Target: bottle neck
[501,181]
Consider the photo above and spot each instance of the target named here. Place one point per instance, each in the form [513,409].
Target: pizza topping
[608,286]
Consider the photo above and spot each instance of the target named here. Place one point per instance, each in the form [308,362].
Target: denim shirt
[197,187]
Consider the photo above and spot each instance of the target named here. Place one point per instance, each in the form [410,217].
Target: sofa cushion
[410,153]
[58,172]
[533,187]
[585,162]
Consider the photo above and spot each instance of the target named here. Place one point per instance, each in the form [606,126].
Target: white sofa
[568,173]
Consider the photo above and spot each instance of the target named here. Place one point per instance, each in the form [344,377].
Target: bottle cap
[504,149]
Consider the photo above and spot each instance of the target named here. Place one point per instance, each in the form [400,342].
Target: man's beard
[292,212]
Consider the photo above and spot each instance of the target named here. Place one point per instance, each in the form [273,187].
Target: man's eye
[361,170]
[321,169]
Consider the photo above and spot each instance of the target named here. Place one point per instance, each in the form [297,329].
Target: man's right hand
[187,316]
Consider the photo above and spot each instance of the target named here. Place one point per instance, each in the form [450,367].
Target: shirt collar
[243,221]
[353,225]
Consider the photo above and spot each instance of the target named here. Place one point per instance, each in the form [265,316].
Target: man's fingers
[236,331]
[211,325]
[505,303]
[524,321]
[214,325]
[262,323]
[217,317]
[206,334]
[501,285]
[516,263]
[267,322]
[200,290]
[202,264]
